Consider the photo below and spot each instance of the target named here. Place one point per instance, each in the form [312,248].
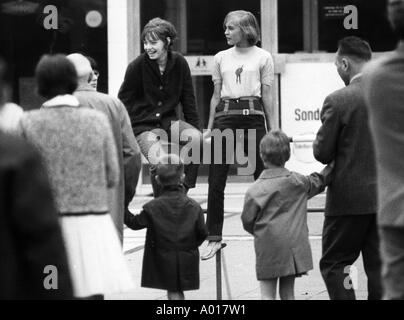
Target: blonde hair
[247,23]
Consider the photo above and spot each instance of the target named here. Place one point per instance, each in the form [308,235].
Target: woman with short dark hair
[155,84]
[80,155]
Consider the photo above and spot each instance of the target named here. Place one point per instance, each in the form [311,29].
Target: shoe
[211,249]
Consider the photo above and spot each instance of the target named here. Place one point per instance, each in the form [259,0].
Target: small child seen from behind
[175,229]
[275,213]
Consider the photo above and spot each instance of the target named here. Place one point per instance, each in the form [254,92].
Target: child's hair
[159,29]
[275,148]
[248,24]
[170,170]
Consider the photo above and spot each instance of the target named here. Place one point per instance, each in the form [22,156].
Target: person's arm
[36,227]
[268,107]
[132,160]
[325,145]
[130,84]
[136,222]
[188,98]
[214,102]
[267,73]
[110,151]
[250,213]
[316,182]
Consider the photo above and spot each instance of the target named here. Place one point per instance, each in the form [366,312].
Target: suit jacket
[30,236]
[344,137]
[175,229]
[384,92]
[129,157]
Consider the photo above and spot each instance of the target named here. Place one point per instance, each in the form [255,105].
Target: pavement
[238,258]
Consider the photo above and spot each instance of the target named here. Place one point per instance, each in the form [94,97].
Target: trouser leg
[191,152]
[340,250]
[392,252]
[372,261]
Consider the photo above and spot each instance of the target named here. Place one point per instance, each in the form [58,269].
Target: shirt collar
[274,173]
[356,77]
[65,100]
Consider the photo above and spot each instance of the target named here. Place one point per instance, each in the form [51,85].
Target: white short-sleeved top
[242,71]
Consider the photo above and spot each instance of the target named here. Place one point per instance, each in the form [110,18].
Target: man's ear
[158,180]
[345,64]
[168,41]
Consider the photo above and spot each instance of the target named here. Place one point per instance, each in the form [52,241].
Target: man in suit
[384,94]
[350,214]
[33,261]
[128,150]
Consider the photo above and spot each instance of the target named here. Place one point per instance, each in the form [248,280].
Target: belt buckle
[246,112]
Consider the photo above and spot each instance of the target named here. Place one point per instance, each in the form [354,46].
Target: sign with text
[304,86]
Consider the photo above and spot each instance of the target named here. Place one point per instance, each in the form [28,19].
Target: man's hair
[275,148]
[159,29]
[170,170]
[395,10]
[55,75]
[355,48]
[248,24]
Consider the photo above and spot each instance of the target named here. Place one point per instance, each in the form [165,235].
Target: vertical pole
[219,275]
[269,26]
[314,26]
[134,29]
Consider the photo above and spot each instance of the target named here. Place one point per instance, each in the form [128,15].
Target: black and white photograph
[201,155]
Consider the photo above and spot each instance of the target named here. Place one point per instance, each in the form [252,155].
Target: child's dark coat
[175,229]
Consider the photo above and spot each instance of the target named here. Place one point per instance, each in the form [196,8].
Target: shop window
[27,31]
[372,26]
[290,26]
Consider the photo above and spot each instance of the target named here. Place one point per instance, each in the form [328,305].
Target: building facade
[302,35]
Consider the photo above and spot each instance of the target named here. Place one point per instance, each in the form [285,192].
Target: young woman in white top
[242,79]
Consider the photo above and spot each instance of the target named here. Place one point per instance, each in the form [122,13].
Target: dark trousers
[392,251]
[344,239]
[218,172]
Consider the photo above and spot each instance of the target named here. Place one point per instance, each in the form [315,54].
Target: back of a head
[55,75]
[170,170]
[395,10]
[82,65]
[356,48]
[275,148]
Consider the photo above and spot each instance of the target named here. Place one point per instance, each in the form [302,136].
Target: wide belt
[239,111]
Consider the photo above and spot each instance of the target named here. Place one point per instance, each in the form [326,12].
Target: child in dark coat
[275,212]
[175,229]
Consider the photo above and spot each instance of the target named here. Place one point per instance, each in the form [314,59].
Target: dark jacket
[152,99]
[30,236]
[384,91]
[345,137]
[175,229]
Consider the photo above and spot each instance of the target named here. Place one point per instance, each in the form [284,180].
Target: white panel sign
[200,65]
[304,86]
